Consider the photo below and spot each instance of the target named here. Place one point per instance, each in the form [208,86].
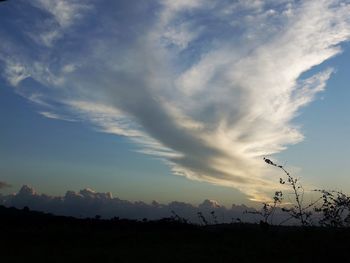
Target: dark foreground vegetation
[28,236]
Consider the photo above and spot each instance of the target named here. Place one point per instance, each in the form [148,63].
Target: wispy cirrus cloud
[59,16]
[55,116]
[211,86]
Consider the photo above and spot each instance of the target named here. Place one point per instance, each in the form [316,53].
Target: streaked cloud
[55,116]
[210,86]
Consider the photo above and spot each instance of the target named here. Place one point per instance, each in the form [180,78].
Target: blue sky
[182,104]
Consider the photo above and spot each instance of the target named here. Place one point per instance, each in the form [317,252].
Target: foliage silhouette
[178,218]
[297,210]
[335,209]
[47,238]
[215,218]
[268,210]
[202,219]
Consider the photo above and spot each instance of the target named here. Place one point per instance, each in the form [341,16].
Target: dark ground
[28,236]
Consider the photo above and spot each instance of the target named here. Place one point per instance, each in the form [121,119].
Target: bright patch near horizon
[209,86]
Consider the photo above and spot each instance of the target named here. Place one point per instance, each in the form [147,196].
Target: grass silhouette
[29,235]
[321,234]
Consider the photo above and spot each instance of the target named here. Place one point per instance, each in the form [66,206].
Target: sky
[174,100]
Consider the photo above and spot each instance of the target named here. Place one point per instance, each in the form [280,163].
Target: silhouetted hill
[40,237]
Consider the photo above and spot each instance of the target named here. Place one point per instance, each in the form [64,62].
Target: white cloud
[225,96]
[15,72]
[64,13]
[69,68]
[106,117]
[38,98]
[55,116]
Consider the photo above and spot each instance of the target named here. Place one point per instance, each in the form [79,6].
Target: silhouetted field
[39,237]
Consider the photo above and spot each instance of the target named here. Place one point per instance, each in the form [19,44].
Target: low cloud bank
[88,203]
[4,185]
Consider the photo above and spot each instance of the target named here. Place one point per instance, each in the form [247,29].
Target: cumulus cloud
[211,86]
[89,203]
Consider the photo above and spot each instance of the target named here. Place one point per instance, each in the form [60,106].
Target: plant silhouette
[297,210]
[335,209]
